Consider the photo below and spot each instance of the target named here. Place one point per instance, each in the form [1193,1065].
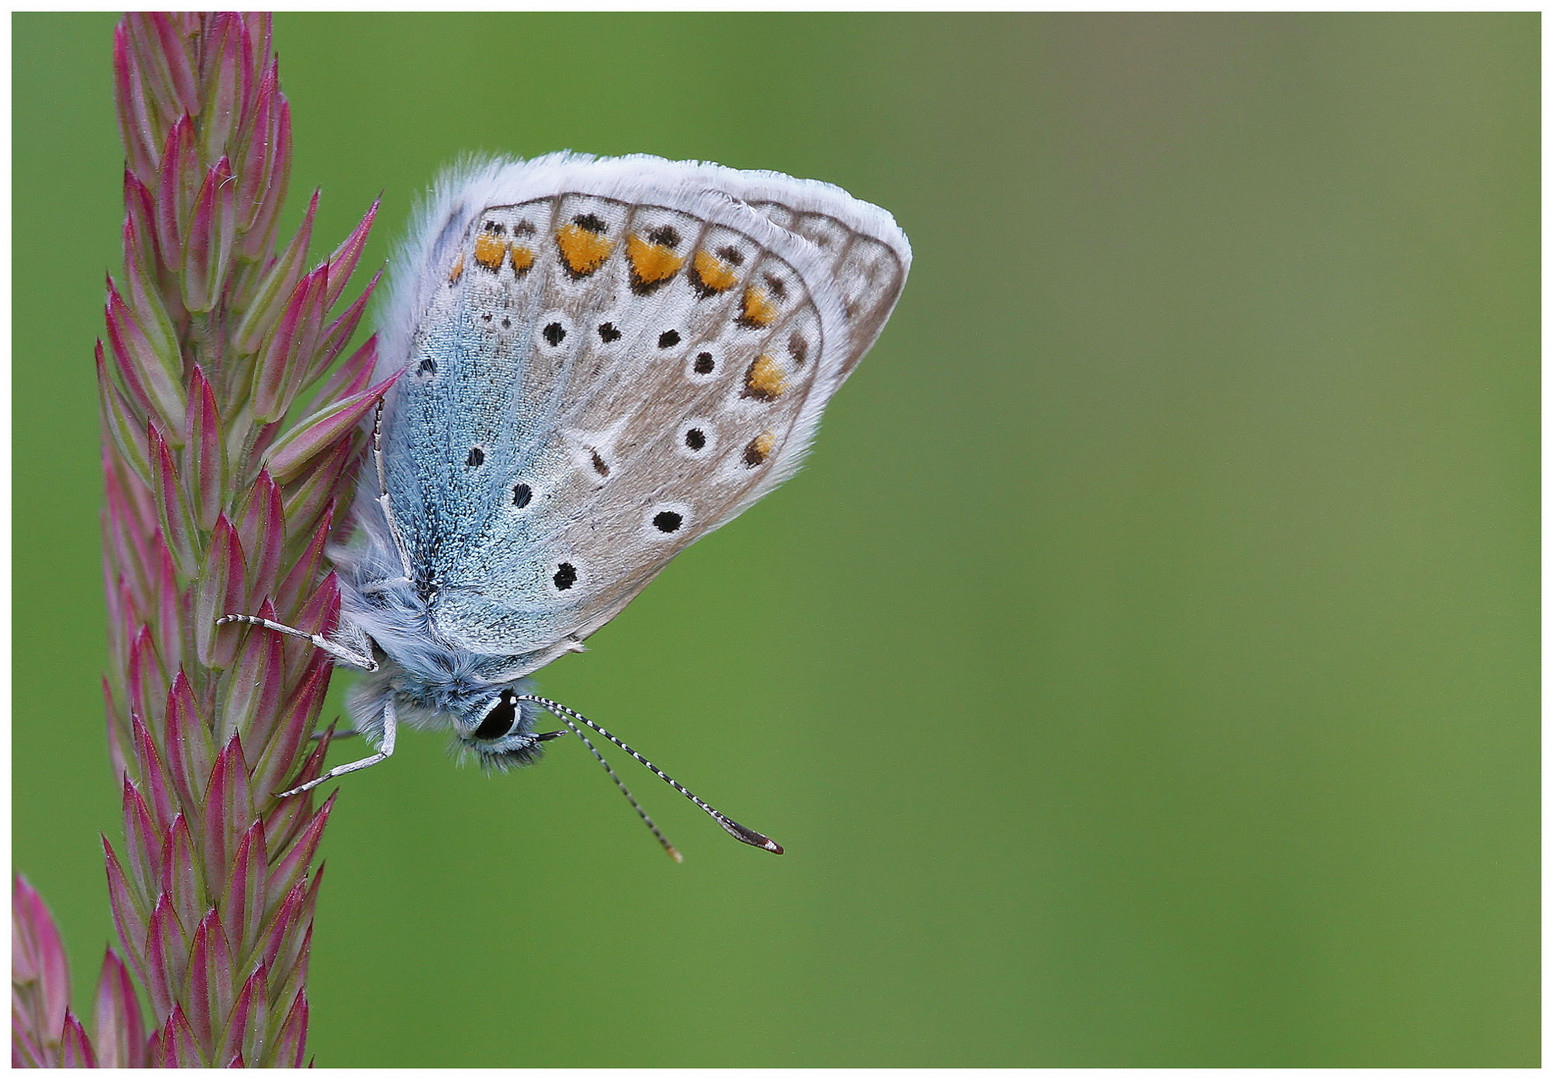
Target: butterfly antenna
[731,827]
[619,783]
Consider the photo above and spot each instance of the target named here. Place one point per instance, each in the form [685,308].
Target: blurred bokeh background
[1144,669]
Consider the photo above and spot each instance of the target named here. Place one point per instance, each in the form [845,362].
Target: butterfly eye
[500,719]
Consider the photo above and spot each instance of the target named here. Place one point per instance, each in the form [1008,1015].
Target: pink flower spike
[190,752]
[253,693]
[291,868]
[275,289]
[154,378]
[143,844]
[342,264]
[178,184]
[219,591]
[180,879]
[208,246]
[128,919]
[290,1047]
[228,69]
[75,1050]
[142,142]
[173,509]
[121,1033]
[204,458]
[228,809]
[262,530]
[242,902]
[38,958]
[311,437]
[338,333]
[290,346]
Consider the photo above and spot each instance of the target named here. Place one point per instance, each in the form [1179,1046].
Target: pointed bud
[262,530]
[75,1050]
[292,866]
[165,957]
[219,591]
[308,498]
[154,380]
[228,809]
[178,184]
[154,786]
[228,66]
[204,457]
[297,722]
[311,438]
[208,248]
[168,69]
[248,1027]
[343,262]
[123,423]
[318,616]
[178,1048]
[181,878]
[178,527]
[142,140]
[242,902]
[338,333]
[128,919]
[38,957]
[287,352]
[275,287]
[190,752]
[121,1033]
[290,1047]
[299,583]
[210,993]
[259,240]
[253,692]
[170,603]
[142,847]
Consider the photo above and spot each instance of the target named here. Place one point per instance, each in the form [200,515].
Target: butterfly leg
[382,487]
[385,751]
[360,657]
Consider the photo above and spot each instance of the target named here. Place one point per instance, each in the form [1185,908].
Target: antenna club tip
[674,853]
[774,847]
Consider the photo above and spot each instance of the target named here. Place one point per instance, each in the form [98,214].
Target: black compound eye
[500,719]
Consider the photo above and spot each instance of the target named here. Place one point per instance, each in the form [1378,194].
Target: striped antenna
[733,828]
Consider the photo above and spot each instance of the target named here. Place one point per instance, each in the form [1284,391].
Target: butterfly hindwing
[627,353]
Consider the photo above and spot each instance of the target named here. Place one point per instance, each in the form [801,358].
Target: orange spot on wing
[652,262]
[489,251]
[759,311]
[713,273]
[583,249]
[765,379]
[759,449]
[522,258]
[457,271]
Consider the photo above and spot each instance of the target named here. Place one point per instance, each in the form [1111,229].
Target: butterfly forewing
[608,374]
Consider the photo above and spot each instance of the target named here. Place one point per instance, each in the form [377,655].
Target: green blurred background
[1144,669]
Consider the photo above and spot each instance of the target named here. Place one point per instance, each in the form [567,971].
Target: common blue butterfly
[603,360]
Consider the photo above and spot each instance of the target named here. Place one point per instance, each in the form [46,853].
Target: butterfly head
[496,727]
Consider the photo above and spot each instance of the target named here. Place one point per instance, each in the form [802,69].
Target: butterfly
[601,360]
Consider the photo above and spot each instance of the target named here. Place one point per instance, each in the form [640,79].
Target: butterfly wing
[608,359]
